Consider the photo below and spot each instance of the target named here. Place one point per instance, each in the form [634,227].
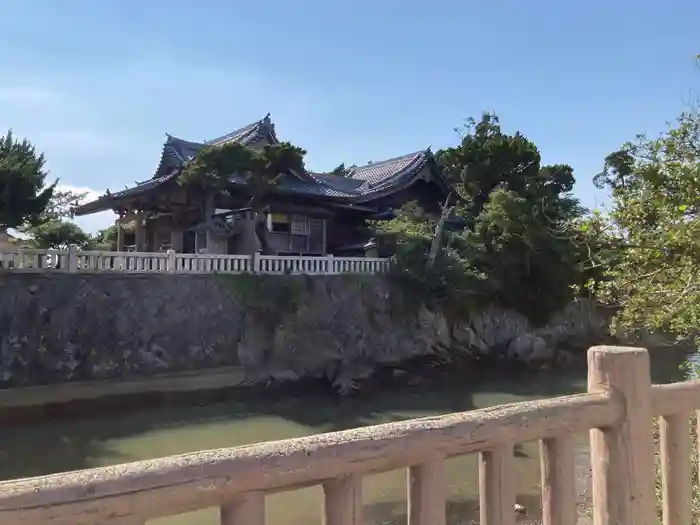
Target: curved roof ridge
[248,132]
[392,160]
[170,139]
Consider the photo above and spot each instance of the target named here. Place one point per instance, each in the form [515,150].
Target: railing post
[255,262]
[20,263]
[72,258]
[497,486]
[329,264]
[426,493]
[676,469]
[172,261]
[244,509]
[342,503]
[622,455]
[558,480]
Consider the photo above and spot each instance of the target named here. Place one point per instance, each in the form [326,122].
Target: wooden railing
[617,410]
[73,261]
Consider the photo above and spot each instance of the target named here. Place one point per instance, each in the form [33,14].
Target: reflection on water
[58,446]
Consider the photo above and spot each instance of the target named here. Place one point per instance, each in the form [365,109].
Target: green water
[58,446]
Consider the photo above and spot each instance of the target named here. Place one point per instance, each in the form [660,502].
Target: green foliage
[57,234]
[655,223]
[266,294]
[61,205]
[23,192]
[520,248]
[107,239]
[488,159]
[451,283]
[261,169]
[52,229]
[340,170]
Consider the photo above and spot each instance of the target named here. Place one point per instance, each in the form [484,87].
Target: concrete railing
[73,261]
[617,410]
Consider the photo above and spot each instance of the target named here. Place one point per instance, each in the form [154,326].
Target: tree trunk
[260,230]
[436,243]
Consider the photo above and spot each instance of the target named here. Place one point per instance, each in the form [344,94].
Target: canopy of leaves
[61,204]
[23,191]
[57,234]
[261,169]
[107,239]
[655,219]
[518,249]
[340,170]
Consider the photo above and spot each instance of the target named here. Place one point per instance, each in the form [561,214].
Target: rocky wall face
[65,327]
[57,327]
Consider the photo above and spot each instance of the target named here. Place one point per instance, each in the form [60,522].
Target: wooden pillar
[120,234]
[676,469]
[342,503]
[426,493]
[244,509]
[558,481]
[140,232]
[497,486]
[622,455]
[176,239]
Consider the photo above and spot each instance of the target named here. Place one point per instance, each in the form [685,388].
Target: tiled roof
[360,183]
[177,152]
[370,179]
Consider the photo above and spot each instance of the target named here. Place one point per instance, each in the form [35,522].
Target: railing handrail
[213,256]
[311,460]
[617,411]
[74,260]
[107,253]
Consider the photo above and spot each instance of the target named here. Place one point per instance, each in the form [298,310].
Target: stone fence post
[255,262]
[172,261]
[72,258]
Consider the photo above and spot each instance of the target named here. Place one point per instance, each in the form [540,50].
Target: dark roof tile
[360,183]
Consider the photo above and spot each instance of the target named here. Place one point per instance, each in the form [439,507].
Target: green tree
[24,194]
[521,219]
[52,228]
[340,170]
[106,239]
[487,159]
[260,169]
[61,204]
[655,218]
[522,246]
[58,234]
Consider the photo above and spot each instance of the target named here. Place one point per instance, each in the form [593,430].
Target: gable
[362,184]
[177,152]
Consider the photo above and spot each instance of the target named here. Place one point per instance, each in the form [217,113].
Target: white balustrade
[79,261]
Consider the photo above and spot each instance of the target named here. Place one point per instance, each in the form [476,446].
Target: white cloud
[98,221]
[95,222]
[89,223]
[90,193]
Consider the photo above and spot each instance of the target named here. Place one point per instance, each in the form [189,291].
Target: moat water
[57,446]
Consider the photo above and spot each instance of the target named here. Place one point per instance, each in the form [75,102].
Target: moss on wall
[269,294]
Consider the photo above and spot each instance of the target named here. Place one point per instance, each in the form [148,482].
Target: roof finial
[267,118]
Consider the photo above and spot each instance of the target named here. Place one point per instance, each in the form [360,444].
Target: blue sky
[96,84]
